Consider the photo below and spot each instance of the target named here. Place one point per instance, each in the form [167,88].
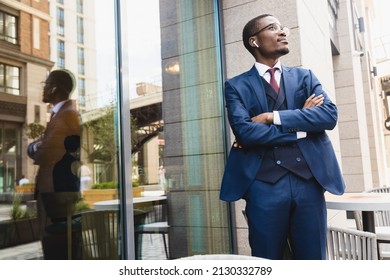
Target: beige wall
[357,140]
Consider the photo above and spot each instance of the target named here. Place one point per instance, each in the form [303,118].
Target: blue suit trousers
[291,208]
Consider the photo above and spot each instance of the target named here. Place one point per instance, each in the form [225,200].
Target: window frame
[4,36]
[5,88]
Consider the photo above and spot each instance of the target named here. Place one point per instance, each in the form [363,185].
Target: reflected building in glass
[24,63]
[73,47]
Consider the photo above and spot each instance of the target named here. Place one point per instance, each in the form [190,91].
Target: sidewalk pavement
[152,249]
[29,251]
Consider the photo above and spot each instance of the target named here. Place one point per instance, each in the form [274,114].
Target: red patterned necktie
[272,80]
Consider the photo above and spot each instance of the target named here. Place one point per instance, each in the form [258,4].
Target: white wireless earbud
[254,43]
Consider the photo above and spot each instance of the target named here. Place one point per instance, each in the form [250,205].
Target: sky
[143,26]
[144,42]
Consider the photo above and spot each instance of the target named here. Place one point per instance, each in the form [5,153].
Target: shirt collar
[262,68]
[57,107]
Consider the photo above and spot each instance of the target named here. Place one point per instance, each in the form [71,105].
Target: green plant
[28,184]
[17,212]
[81,206]
[35,130]
[104,186]
[111,185]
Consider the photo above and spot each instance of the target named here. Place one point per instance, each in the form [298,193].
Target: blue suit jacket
[245,98]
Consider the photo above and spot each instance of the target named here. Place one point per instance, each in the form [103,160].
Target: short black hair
[63,79]
[250,28]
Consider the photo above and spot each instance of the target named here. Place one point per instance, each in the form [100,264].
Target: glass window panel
[176,123]
[80,30]
[61,62]
[9,79]
[60,21]
[13,76]
[60,47]
[9,155]
[8,28]
[2,76]
[96,99]
[175,71]
[11,28]
[80,6]
[1,25]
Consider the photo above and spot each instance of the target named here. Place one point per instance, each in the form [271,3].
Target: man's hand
[236,144]
[265,118]
[313,101]
[268,118]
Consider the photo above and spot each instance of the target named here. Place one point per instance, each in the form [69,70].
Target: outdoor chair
[350,244]
[382,224]
[156,222]
[100,235]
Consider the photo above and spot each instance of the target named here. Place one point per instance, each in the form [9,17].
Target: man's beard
[283,51]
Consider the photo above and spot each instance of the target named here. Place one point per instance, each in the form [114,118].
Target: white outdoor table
[365,202]
[114,203]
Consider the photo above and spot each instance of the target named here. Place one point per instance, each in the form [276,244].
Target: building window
[333,9]
[60,21]
[9,79]
[61,62]
[81,90]
[61,48]
[10,136]
[357,28]
[8,28]
[80,61]
[183,68]
[80,30]
[60,53]
[80,6]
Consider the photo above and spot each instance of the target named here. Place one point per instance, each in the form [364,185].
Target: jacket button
[278,162]
[298,159]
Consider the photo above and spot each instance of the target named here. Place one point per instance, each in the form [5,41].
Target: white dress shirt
[263,71]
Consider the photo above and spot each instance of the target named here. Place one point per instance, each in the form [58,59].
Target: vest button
[278,162]
[298,159]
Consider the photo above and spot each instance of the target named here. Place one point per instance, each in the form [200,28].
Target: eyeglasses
[275,28]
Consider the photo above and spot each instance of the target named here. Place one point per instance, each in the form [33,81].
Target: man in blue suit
[282,161]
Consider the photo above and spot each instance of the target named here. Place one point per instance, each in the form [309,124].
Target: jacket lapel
[289,87]
[258,89]
[281,98]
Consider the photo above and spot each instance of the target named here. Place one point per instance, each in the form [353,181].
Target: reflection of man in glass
[64,121]
[66,171]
